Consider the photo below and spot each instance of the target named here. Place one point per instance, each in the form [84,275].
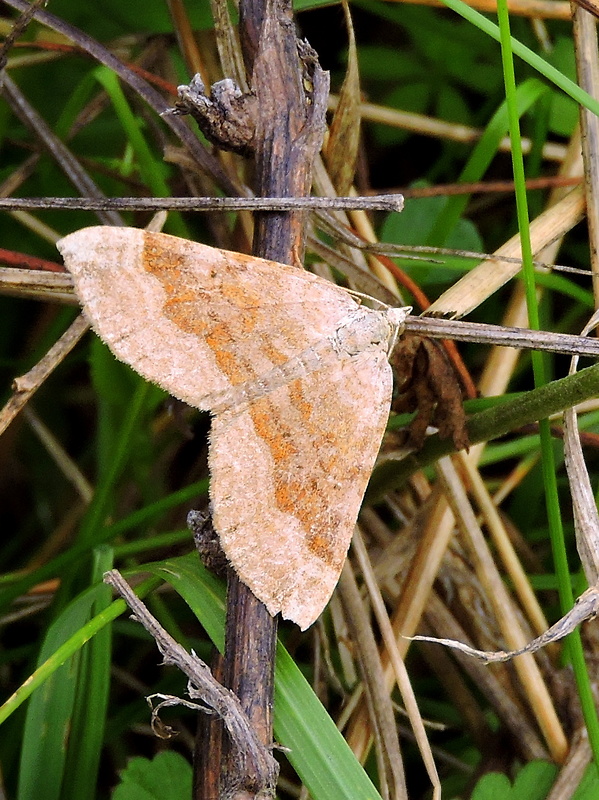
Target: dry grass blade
[185,37]
[147,92]
[484,280]
[584,27]
[401,676]
[537,692]
[59,455]
[574,768]
[426,554]
[494,684]
[505,547]
[38,284]
[382,717]
[586,518]
[229,47]
[442,129]
[17,29]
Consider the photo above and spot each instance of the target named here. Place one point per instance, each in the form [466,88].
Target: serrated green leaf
[167,776]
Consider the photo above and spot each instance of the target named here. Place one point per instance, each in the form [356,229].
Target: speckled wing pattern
[299,386]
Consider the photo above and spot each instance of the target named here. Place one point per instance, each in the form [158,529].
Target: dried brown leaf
[428,383]
[344,134]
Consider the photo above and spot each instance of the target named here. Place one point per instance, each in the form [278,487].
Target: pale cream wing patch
[194,319]
[288,476]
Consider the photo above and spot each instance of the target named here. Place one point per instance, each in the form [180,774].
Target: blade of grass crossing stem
[319,753]
[317,750]
[538,362]
[152,171]
[393,13]
[527,94]
[535,61]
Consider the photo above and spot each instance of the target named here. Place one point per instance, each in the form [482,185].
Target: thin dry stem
[505,548]
[441,129]
[537,693]
[396,661]
[381,714]
[26,385]
[584,27]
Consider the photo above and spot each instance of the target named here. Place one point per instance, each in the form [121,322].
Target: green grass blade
[539,370]
[89,715]
[50,713]
[318,752]
[152,171]
[56,566]
[62,652]
[94,518]
[553,75]
[527,94]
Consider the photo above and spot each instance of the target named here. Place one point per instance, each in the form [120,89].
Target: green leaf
[564,111]
[414,226]
[89,712]
[533,782]
[492,786]
[588,788]
[167,776]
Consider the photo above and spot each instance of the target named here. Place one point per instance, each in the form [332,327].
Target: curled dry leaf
[428,383]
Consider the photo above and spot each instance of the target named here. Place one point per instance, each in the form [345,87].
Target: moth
[295,372]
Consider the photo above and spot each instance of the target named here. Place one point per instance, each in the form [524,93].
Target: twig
[255,766]
[490,424]
[383,722]
[585,608]
[504,336]
[59,286]
[17,29]
[37,283]
[289,103]
[372,203]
